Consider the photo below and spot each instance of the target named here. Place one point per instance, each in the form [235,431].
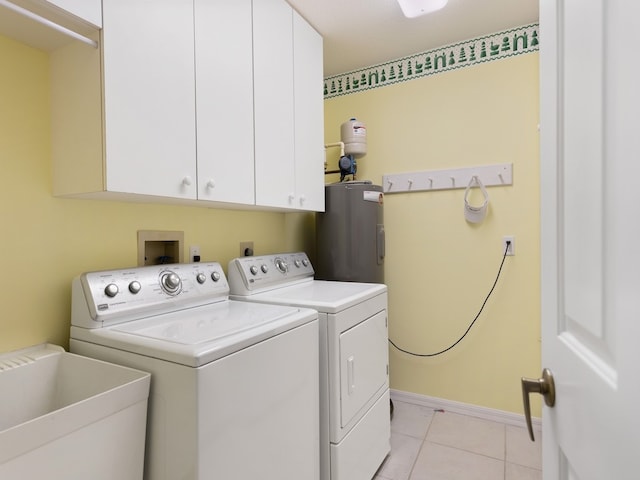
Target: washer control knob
[253,269]
[172,280]
[264,268]
[305,262]
[281,265]
[135,287]
[170,283]
[111,290]
[297,263]
[200,278]
[215,276]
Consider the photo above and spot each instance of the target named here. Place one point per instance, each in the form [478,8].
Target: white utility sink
[64,416]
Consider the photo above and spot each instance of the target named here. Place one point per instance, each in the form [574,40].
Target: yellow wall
[46,241]
[439,268]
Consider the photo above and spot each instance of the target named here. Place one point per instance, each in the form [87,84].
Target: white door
[590,168]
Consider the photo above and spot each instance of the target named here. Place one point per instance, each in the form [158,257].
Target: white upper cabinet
[224,100]
[288,109]
[149,97]
[124,115]
[211,102]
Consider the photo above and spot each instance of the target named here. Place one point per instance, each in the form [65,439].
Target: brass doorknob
[544,386]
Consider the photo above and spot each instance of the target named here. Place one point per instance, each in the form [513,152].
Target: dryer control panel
[261,273]
[113,296]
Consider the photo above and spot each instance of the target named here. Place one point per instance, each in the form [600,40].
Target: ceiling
[358,33]
[362,33]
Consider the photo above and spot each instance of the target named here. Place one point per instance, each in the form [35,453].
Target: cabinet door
[273,110]
[88,10]
[309,116]
[224,99]
[149,97]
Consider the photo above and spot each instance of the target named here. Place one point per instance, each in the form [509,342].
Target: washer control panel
[249,274]
[113,296]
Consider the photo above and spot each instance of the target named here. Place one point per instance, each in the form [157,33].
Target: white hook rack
[490,176]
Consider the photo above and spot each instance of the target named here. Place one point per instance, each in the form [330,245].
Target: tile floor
[435,445]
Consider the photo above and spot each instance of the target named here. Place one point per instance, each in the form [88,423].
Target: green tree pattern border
[500,45]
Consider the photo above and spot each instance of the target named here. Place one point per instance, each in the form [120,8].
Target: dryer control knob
[200,278]
[111,290]
[253,269]
[264,268]
[215,276]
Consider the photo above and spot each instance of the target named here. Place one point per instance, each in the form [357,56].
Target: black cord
[472,323]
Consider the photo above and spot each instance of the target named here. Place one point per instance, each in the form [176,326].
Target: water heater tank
[354,136]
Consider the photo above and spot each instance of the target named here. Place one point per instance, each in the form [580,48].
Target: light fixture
[415,8]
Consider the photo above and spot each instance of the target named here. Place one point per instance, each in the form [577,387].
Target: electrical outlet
[246,249]
[194,253]
[512,245]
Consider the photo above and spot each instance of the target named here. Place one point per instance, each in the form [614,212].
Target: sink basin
[64,416]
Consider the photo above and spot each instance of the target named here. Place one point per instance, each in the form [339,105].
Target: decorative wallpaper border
[500,45]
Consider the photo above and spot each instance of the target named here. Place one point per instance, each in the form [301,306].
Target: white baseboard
[485,413]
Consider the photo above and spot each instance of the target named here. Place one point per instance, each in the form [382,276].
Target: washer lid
[197,336]
[198,326]
[326,296]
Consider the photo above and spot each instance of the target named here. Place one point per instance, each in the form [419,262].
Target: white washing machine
[234,386]
[354,368]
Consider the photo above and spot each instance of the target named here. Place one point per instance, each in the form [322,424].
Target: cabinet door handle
[186,181]
[211,184]
[545,386]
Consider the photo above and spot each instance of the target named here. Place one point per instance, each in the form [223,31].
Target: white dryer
[234,386]
[354,368]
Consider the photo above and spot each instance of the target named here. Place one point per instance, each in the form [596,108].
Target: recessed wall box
[158,247]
